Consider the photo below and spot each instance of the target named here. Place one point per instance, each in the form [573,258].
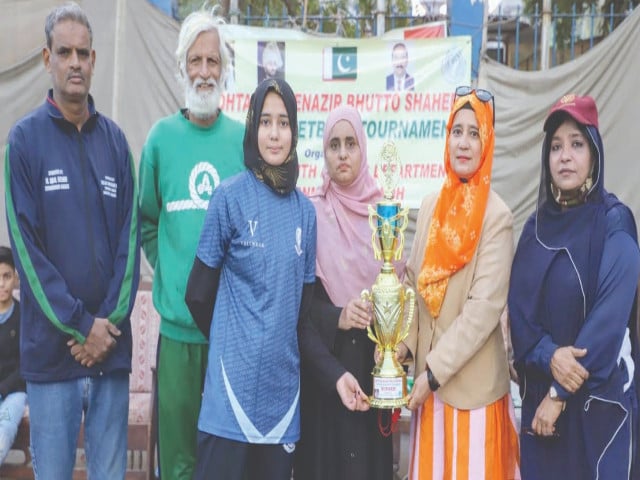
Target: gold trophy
[388,296]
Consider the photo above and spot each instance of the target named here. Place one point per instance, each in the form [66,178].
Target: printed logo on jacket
[109,186]
[56,180]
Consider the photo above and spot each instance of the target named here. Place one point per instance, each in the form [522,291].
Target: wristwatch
[553,395]
[433,383]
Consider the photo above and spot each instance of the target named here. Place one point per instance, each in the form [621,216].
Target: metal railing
[340,23]
[517,38]
[513,38]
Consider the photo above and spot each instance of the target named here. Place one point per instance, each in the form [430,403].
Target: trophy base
[389,392]
[386,403]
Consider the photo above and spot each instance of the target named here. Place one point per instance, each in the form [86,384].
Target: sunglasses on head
[484,96]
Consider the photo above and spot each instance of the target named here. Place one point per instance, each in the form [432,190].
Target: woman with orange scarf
[463,424]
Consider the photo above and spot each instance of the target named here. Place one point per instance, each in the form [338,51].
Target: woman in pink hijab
[337,443]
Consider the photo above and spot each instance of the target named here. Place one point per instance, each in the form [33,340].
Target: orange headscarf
[456,224]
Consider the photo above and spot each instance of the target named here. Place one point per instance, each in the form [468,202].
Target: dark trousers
[224,459]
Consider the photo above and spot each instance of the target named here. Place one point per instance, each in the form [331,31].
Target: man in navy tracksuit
[72,215]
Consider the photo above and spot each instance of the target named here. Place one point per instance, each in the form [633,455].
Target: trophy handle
[367,297]
[409,296]
[373,223]
[404,216]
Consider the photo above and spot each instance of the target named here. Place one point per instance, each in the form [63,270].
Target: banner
[403,90]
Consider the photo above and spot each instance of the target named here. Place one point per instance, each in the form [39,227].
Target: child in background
[13,398]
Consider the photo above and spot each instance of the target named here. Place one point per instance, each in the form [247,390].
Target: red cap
[582,109]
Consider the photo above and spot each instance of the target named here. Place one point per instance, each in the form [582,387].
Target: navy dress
[598,420]
[574,282]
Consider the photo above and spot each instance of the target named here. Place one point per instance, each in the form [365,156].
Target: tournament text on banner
[327,73]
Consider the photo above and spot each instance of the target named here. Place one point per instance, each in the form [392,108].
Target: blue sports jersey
[265,245]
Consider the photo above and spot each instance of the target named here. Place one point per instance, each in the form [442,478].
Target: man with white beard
[185,157]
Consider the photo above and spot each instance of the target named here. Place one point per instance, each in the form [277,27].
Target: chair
[21,469]
[141,434]
[145,325]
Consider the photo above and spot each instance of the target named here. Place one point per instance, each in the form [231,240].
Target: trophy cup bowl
[393,304]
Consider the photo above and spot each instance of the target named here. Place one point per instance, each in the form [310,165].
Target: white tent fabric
[135,84]
[609,73]
[134,79]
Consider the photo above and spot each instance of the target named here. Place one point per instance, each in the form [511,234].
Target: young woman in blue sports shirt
[249,291]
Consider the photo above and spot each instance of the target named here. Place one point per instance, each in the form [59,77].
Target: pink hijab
[345,262]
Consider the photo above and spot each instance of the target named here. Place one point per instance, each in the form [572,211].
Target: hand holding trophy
[388,296]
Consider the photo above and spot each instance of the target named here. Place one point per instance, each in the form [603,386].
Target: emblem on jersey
[289,447]
[298,241]
[203,180]
[252,242]
[253,224]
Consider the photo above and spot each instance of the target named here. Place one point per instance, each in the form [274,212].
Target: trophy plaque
[388,296]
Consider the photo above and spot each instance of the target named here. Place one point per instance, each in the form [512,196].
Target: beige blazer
[464,346]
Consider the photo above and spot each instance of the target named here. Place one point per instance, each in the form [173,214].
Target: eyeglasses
[484,96]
